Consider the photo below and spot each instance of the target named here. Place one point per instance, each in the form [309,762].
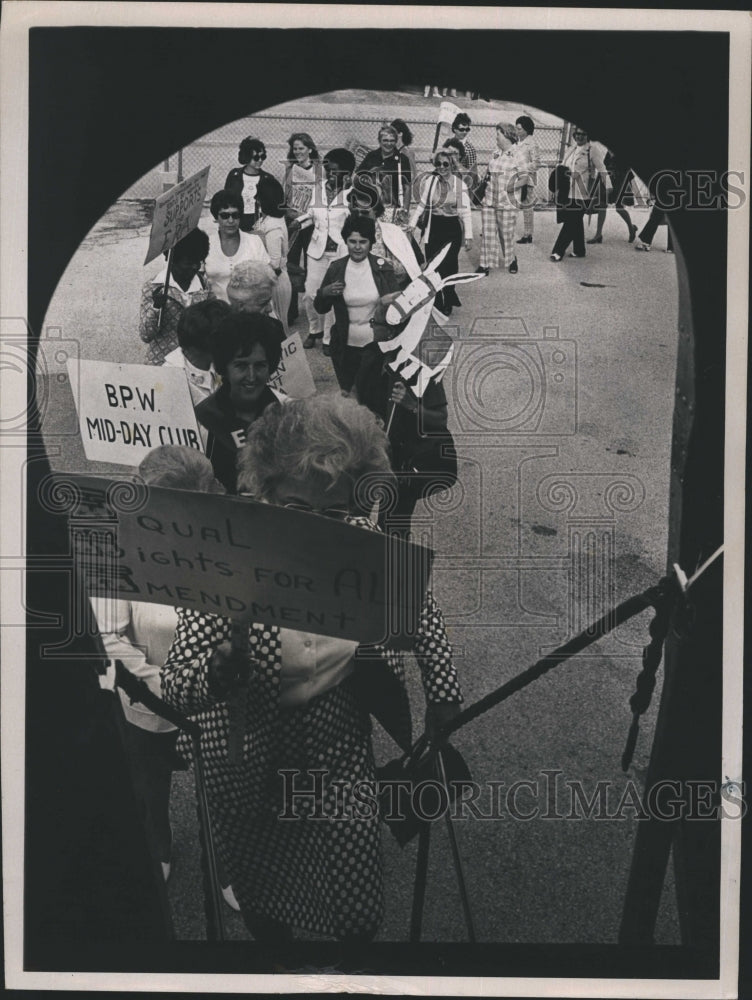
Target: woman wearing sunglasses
[244,180]
[305,699]
[584,166]
[229,246]
[445,205]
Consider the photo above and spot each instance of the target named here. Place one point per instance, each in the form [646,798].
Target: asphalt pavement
[561,399]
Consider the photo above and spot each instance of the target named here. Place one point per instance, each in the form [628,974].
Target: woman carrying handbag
[443,216]
[587,176]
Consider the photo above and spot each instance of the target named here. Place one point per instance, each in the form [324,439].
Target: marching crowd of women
[222,314]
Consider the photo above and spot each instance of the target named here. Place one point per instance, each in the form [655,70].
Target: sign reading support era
[246,560]
[176,213]
[126,410]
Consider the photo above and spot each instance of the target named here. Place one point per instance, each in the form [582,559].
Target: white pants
[317,324]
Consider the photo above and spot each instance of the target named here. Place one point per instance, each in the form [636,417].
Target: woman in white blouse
[353,287]
[586,169]
[229,246]
[446,202]
[272,229]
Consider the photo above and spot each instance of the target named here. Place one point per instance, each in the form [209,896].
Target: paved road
[561,398]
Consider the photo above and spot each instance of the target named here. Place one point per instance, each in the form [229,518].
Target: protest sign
[176,213]
[126,410]
[250,561]
[293,374]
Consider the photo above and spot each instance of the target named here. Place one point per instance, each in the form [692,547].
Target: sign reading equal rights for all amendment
[246,560]
[126,410]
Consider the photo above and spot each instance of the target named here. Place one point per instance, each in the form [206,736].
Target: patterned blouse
[162,341]
[504,168]
[322,877]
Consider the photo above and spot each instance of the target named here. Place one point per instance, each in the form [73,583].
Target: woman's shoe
[632,233]
[596,239]
[482,270]
[310,341]
[525,239]
[643,246]
[513,268]
[555,257]
[229,897]
[573,254]
[326,350]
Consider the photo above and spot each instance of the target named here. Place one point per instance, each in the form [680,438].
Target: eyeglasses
[229,215]
[443,163]
[337,513]
[580,135]
[258,156]
[462,128]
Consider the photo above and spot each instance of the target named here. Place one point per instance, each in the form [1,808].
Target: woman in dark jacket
[246,351]
[354,286]
[244,180]
[422,450]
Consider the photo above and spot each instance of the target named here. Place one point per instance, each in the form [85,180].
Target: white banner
[293,375]
[126,410]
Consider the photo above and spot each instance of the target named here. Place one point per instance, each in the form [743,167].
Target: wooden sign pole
[165,289]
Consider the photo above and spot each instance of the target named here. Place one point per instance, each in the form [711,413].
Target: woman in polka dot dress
[301,849]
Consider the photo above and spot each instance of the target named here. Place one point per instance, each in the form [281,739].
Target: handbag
[414,769]
[424,220]
[478,193]
[297,276]
[559,182]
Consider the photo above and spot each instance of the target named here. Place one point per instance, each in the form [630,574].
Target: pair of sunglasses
[229,215]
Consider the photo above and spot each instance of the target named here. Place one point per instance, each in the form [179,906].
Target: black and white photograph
[373,439]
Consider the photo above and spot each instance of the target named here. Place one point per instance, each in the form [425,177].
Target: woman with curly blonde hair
[301,699]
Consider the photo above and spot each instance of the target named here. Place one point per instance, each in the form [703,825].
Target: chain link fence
[332,125]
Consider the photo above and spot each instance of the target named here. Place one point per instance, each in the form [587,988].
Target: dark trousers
[656,218]
[299,246]
[572,231]
[445,229]
[152,756]
[347,365]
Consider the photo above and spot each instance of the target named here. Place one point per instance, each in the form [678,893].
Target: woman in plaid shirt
[506,176]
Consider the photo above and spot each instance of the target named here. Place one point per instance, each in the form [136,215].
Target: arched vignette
[662,108]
